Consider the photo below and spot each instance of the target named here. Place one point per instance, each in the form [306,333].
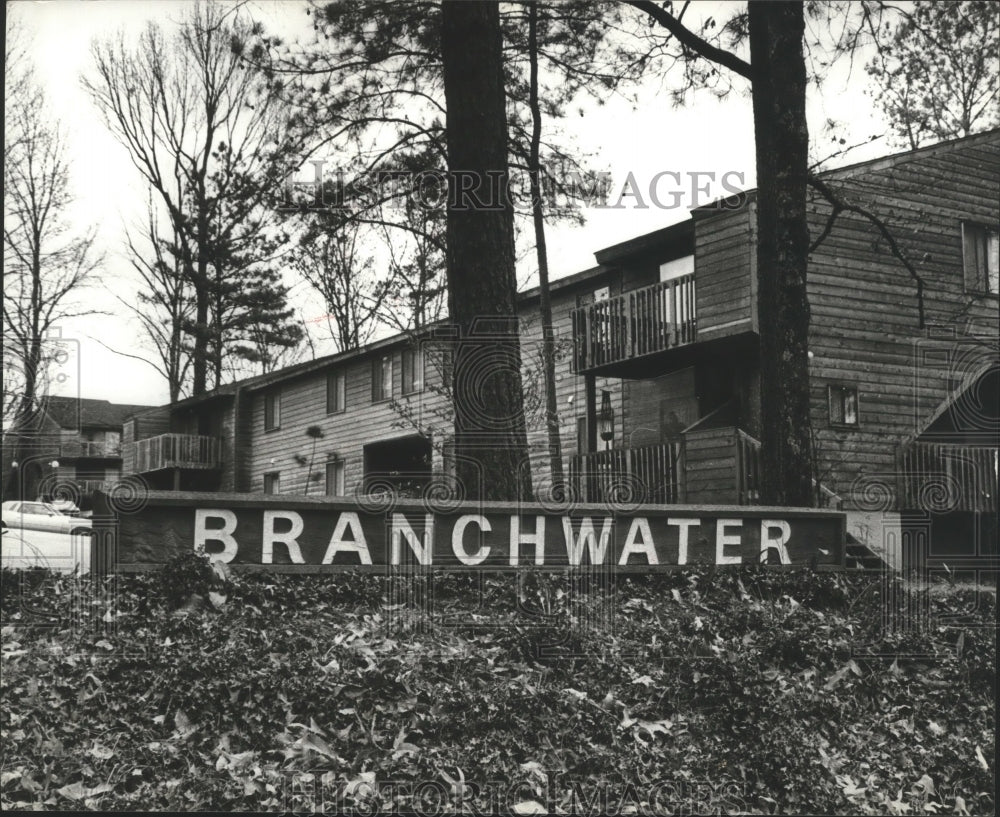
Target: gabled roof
[868,166]
[82,412]
[677,238]
[858,168]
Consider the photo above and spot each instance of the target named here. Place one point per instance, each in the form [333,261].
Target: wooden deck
[637,323]
[647,474]
[177,451]
[670,473]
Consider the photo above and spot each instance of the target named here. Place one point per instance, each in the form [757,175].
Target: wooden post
[590,387]
[177,479]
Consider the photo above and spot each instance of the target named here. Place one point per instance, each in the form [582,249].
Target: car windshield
[39,508]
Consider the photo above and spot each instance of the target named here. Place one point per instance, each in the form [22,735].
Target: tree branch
[689,39]
[841,206]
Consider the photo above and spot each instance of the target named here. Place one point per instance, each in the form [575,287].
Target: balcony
[719,466]
[652,473]
[92,450]
[946,477]
[177,451]
[635,324]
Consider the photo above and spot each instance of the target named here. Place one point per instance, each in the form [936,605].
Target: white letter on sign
[766,542]
[575,545]
[203,534]
[287,539]
[639,528]
[517,539]
[401,529]
[682,537]
[459,531]
[356,544]
[722,539]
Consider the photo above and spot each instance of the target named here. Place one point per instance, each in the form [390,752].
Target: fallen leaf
[981,759]
[361,786]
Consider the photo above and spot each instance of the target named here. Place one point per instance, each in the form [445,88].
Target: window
[335,478]
[413,370]
[843,405]
[336,392]
[981,258]
[382,378]
[272,411]
[272,484]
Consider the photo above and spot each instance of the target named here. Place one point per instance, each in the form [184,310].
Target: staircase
[858,556]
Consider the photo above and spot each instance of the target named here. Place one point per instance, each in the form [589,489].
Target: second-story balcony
[105,449]
[177,451]
[635,324]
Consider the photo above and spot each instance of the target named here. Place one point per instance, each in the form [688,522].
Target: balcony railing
[84,448]
[176,451]
[747,469]
[652,474]
[945,477]
[636,323]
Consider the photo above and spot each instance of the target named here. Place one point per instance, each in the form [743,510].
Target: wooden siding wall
[643,399]
[139,427]
[865,327]
[710,466]
[724,251]
[643,273]
[303,403]
[224,427]
[240,464]
[128,449]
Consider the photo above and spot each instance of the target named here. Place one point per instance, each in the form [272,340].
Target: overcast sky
[707,136]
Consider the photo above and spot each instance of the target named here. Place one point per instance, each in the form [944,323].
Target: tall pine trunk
[544,295]
[491,450]
[779,84]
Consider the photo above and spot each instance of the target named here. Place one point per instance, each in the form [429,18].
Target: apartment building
[72,446]
[658,376]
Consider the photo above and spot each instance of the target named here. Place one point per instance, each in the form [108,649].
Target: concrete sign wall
[291,534]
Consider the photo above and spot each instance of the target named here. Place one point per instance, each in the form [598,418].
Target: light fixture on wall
[54,463]
[606,418]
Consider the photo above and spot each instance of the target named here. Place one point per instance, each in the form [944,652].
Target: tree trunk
[491,449]
[545,300]
[199,357]
[779,83]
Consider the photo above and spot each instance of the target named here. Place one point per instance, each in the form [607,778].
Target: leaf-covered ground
[755,692]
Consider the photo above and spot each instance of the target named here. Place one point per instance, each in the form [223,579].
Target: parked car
[22,549]
[42,516]
[64,506]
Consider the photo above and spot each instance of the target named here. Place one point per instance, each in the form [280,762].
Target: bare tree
[936,70]
[331,257]
[47,262]
[215,145]
[163,304]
